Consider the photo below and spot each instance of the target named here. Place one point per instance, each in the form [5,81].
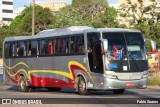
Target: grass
[154,80]
[1,82]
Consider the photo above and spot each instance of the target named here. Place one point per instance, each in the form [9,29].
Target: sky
[22,3]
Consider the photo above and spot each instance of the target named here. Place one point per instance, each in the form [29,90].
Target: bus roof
[67,31]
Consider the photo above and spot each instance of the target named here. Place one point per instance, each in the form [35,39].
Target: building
[6,11]
[53,6]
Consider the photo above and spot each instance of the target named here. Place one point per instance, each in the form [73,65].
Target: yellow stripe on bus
[63,73]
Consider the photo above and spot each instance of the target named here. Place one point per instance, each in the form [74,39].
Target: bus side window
[13,49]
[59,46]
[29,48]
[6,49]
[17,49]
[54,46]
[72,45]
[22,48]
[38,48]
[34,45]
[10,50]
[49,47]
[43,47]
[63,46]
[79,45]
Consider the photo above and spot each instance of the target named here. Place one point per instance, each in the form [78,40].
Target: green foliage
[22,24]
[94,13]
[15,26]
[3,31]
[107,19]
[144,18]
[90,8]
[69,16]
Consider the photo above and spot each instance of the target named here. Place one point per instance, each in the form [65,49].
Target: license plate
[129,84]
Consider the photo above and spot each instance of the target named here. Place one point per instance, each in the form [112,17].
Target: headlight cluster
[111,76]
[145,75]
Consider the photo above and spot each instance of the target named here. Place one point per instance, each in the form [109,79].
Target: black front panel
[138,65]
[123,66]
[118,65]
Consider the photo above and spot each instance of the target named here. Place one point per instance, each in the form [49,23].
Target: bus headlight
[111,76]
[145,75]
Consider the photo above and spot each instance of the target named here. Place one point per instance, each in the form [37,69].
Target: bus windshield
[135,46]
[125,46]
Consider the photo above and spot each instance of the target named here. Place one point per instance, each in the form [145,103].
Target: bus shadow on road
[72,91]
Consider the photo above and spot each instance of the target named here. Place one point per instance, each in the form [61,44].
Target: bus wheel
[22,85]
[54,89]
[82,87]
[119,91]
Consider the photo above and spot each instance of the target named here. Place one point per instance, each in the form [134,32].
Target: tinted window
[43,49]
[135,46]
[6,49]
[64,46]
[134,39]
[7,11]
[79,44]
[49,47]
[116,45]
[22,49]
[72,45]
[29,48]
[91,39]
[34,48]
[13,49]
[7,2]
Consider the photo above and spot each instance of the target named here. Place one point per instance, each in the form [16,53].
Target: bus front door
[98,65]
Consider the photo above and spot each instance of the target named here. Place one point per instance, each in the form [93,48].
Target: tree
[94,13]
[91,8]
[69,16]
[144,18]
[107,19]
[22,24]
[3,31]
[15,26]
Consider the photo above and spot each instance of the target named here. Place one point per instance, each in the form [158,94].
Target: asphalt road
[96,98]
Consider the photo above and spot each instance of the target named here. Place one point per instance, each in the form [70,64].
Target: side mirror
[104,45]
[153,45]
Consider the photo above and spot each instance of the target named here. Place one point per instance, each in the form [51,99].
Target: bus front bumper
[124,84]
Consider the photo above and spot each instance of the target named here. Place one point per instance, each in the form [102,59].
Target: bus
[79,57]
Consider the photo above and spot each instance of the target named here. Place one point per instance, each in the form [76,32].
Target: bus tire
[22,85]
[53,89]
[82,86]
[118,91]
[76,84]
